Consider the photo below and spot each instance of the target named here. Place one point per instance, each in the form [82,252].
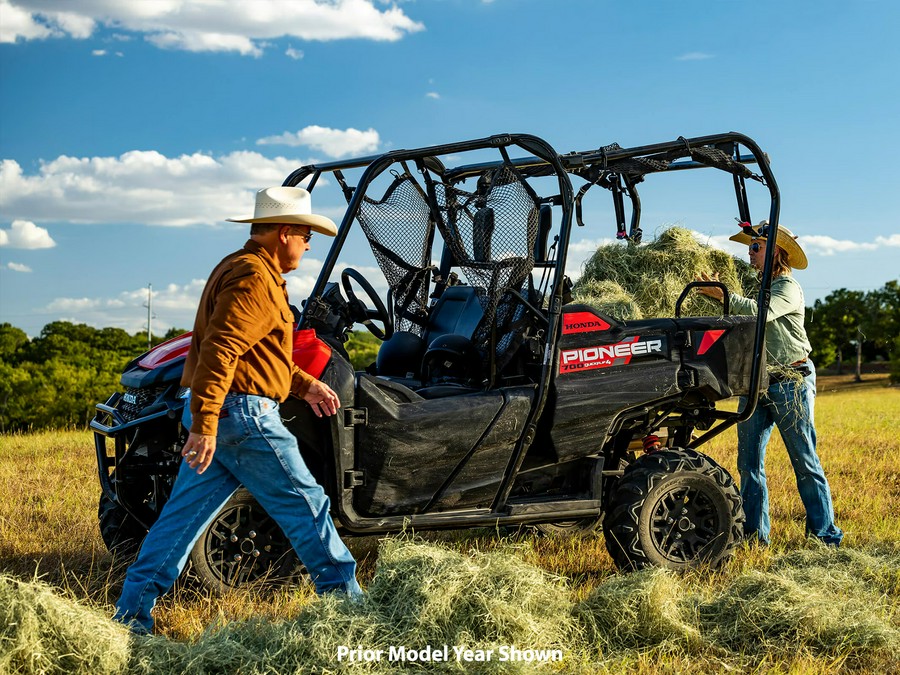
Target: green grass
[793,607]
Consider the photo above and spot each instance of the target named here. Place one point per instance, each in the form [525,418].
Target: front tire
[675,508]
[121,533]
[243,545]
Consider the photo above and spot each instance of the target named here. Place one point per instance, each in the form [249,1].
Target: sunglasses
[755,246]
[306,236]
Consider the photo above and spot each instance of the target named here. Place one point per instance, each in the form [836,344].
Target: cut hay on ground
[43,632]
[630,281]
[841,604]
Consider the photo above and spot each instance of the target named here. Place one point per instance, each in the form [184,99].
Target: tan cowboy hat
[288,205]
[786,240]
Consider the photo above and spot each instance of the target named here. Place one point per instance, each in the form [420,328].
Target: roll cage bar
[617,169]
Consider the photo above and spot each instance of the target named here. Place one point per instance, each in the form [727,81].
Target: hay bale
[653,275]
[640,610]
[608,298]
[42,632]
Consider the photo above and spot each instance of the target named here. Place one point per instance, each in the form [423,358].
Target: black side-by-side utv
[494,400]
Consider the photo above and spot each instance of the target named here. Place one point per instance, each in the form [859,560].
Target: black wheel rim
[685,524]
[244,545]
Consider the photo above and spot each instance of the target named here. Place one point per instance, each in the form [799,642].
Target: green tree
[12,341]
[821,335]
[895,362]
[882,317]
[844,313]
[362,348]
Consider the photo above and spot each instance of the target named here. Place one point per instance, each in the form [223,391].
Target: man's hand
[322,399]
[711,291]
[199,451]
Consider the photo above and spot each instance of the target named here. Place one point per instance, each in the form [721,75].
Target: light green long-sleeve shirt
[786,339]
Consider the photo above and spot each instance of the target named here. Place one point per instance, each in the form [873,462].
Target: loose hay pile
[43,632]
[630,281]
[842,605]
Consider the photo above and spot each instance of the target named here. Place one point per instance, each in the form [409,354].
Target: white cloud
[176,304]
[333,142]
[432,94]
[295,54]
[74,24]
[211,25]
[18,267]
[98,52]
[890,240]
[694,56]
[813,244]
[140,186]
[25,234]
[825,245]
[172,305]
[193,41]
[18,23]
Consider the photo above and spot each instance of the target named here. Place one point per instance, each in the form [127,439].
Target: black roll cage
[619,170]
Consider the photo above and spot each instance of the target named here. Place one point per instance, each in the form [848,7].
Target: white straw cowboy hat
[786,240]
[288,205]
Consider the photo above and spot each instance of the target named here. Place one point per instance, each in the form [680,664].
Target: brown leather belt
[800,367]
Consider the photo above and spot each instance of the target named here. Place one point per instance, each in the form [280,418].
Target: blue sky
[130,130]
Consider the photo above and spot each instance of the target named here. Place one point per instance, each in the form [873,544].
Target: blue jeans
[253,448]
[789,405]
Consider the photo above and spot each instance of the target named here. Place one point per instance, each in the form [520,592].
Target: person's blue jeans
[789,406]
[253,448]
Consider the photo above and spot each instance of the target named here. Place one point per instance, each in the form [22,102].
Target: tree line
[55,379]
[856,327]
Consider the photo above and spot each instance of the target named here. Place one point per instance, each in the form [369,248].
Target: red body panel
[309,353]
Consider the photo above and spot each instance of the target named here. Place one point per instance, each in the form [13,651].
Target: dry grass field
[793,607]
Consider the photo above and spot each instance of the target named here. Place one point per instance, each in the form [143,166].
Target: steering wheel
[360,312]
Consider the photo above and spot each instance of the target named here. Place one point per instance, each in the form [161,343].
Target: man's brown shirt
[243,337]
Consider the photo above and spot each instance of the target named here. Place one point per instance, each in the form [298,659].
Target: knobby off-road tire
[675,508]
[121,533]
[242,546]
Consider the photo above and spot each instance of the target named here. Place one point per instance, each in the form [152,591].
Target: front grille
[135,400]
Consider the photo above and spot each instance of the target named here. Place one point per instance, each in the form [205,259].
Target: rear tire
[242,546]
[676,508]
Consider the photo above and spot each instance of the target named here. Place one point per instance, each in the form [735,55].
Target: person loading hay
[788,402]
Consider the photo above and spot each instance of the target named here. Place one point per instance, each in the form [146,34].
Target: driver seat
[457,312]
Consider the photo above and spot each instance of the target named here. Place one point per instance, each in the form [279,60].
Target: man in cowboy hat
[238,370]
[788,401]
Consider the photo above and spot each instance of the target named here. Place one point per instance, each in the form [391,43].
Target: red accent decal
[709,339]
[582,322]
[169,350]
